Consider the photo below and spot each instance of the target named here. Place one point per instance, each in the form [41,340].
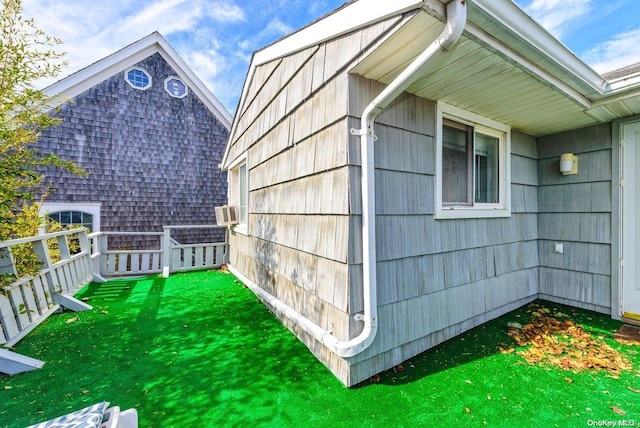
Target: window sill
[469,212]
[241,229]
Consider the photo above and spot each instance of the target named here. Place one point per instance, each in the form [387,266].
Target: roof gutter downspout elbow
[456,21]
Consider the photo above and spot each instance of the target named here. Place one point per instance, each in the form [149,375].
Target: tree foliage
[26,55]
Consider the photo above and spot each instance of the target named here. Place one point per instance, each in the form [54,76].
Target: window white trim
[89,208]
[140,88]
[486,126]
[234,192]
[166,87]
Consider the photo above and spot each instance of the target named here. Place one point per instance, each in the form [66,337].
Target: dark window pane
[486,169]
[455,165]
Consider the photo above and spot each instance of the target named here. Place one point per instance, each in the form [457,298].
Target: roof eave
[513,18]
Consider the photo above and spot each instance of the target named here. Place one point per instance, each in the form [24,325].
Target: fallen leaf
[568,379]
[375,378]
[7,387]
[86,299]
[468,410]
[70,320]
[84,391]
[633,389]
[104,312]
[469,382]
[618,410]
[566,345]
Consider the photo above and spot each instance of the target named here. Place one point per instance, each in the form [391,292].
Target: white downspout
[456,20]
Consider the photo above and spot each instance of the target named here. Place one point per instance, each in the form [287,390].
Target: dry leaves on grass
[565,345]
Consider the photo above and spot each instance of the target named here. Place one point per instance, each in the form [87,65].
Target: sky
[216,38]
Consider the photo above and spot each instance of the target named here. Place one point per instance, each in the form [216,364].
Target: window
[73,218]
[244,194]
[239,191]
[175,87]
[75,214]
[138,78]
[472,165]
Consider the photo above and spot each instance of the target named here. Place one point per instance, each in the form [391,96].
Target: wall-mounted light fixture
[568,164]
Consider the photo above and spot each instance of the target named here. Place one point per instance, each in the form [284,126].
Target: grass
[198,349]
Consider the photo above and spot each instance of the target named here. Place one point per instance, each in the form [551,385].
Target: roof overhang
[80,81]
[505,67]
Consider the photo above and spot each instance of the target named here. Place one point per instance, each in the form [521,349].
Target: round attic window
[175,87]
[138,78]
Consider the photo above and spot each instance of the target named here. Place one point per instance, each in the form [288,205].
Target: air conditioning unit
[227,215]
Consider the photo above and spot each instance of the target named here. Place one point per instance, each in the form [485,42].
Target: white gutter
[456,21]
[511,16]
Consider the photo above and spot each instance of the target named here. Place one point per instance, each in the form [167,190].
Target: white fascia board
[194,83]
[84,79]
[97,72]
[351,17]
[512,17]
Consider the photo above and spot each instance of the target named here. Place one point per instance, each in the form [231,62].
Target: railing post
[85,248]
[166,252]
[103,247]
[63,247]
[44,258]
[7,262]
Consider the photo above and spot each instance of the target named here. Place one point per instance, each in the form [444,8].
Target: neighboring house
[462,214]
[149,133]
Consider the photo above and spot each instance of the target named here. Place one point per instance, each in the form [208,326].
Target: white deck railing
[28,300]
[178,257]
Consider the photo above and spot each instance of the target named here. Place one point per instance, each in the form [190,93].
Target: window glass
[175,87]
[455,164]
[73,218]
[487,173]
[243,193]
[138,78]
[472,165]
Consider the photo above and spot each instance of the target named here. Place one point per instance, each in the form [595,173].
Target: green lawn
[198,349]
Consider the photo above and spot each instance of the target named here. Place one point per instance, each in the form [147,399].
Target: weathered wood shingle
[152,159]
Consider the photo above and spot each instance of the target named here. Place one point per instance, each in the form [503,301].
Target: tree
[26,55]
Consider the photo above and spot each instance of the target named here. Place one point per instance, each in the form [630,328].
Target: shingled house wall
[152,159]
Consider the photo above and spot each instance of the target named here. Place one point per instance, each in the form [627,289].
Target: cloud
[559,17]
[274,30]
[166,16]
[617,52]
[226,12]
[215,37]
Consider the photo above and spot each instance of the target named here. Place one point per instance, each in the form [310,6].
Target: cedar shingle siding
[152,158]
